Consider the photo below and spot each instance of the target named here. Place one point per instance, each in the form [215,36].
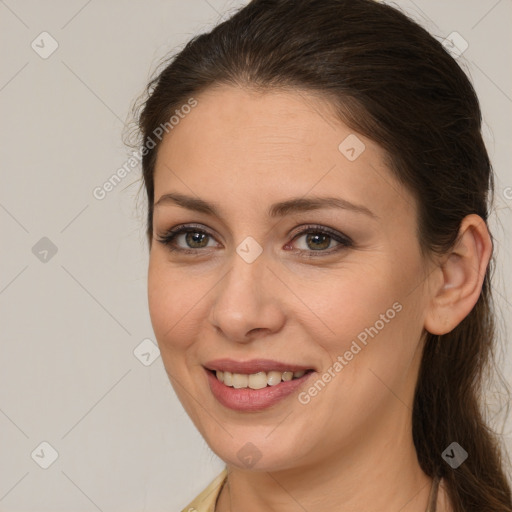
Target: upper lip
[253,366]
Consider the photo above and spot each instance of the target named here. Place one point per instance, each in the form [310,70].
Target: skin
[350,448]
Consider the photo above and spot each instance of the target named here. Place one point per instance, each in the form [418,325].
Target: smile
[257,380]
[253,392]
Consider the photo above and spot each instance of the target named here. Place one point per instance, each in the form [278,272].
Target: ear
[459,277]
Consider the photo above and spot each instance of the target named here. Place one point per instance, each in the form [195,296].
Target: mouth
[255,392]
[258,380]
[256,384]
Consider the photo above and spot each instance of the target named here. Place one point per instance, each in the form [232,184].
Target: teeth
[287,376]
[227,378]
[258,380]
[274,378]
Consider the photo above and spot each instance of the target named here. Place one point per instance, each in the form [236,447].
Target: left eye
[317,240]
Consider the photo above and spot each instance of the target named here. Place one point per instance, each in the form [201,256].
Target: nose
[246,303]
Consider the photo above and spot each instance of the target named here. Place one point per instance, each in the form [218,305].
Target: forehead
[271,121]
[247,146]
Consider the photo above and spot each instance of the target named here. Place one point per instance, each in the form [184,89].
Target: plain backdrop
[77,369]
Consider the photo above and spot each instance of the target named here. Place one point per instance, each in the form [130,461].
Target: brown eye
[195,237]
[192,239]
[320,240]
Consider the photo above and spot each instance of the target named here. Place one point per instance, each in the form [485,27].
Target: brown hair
[393,82]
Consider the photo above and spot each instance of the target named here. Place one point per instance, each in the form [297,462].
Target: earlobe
[463,271]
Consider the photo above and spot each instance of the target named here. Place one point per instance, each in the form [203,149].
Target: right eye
[194,238]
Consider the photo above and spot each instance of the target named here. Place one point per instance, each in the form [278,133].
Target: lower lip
[251,400]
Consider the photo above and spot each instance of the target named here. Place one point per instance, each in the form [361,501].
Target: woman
[319,276]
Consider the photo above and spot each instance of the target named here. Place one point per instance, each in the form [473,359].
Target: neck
[378,476]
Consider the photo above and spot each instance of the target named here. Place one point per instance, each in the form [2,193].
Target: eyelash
[344,242]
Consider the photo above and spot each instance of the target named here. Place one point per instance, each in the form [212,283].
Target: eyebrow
[295,205]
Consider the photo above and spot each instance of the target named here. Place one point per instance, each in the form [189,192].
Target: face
[336,286]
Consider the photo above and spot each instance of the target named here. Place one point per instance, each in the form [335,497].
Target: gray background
[70,323]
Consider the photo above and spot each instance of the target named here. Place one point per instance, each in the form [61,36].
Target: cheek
[369,317]
[173,300]
[344,303]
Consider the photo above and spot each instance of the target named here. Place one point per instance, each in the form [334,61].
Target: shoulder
[205,500]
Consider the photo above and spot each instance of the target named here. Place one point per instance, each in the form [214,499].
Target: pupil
[195,238]
[316,237]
